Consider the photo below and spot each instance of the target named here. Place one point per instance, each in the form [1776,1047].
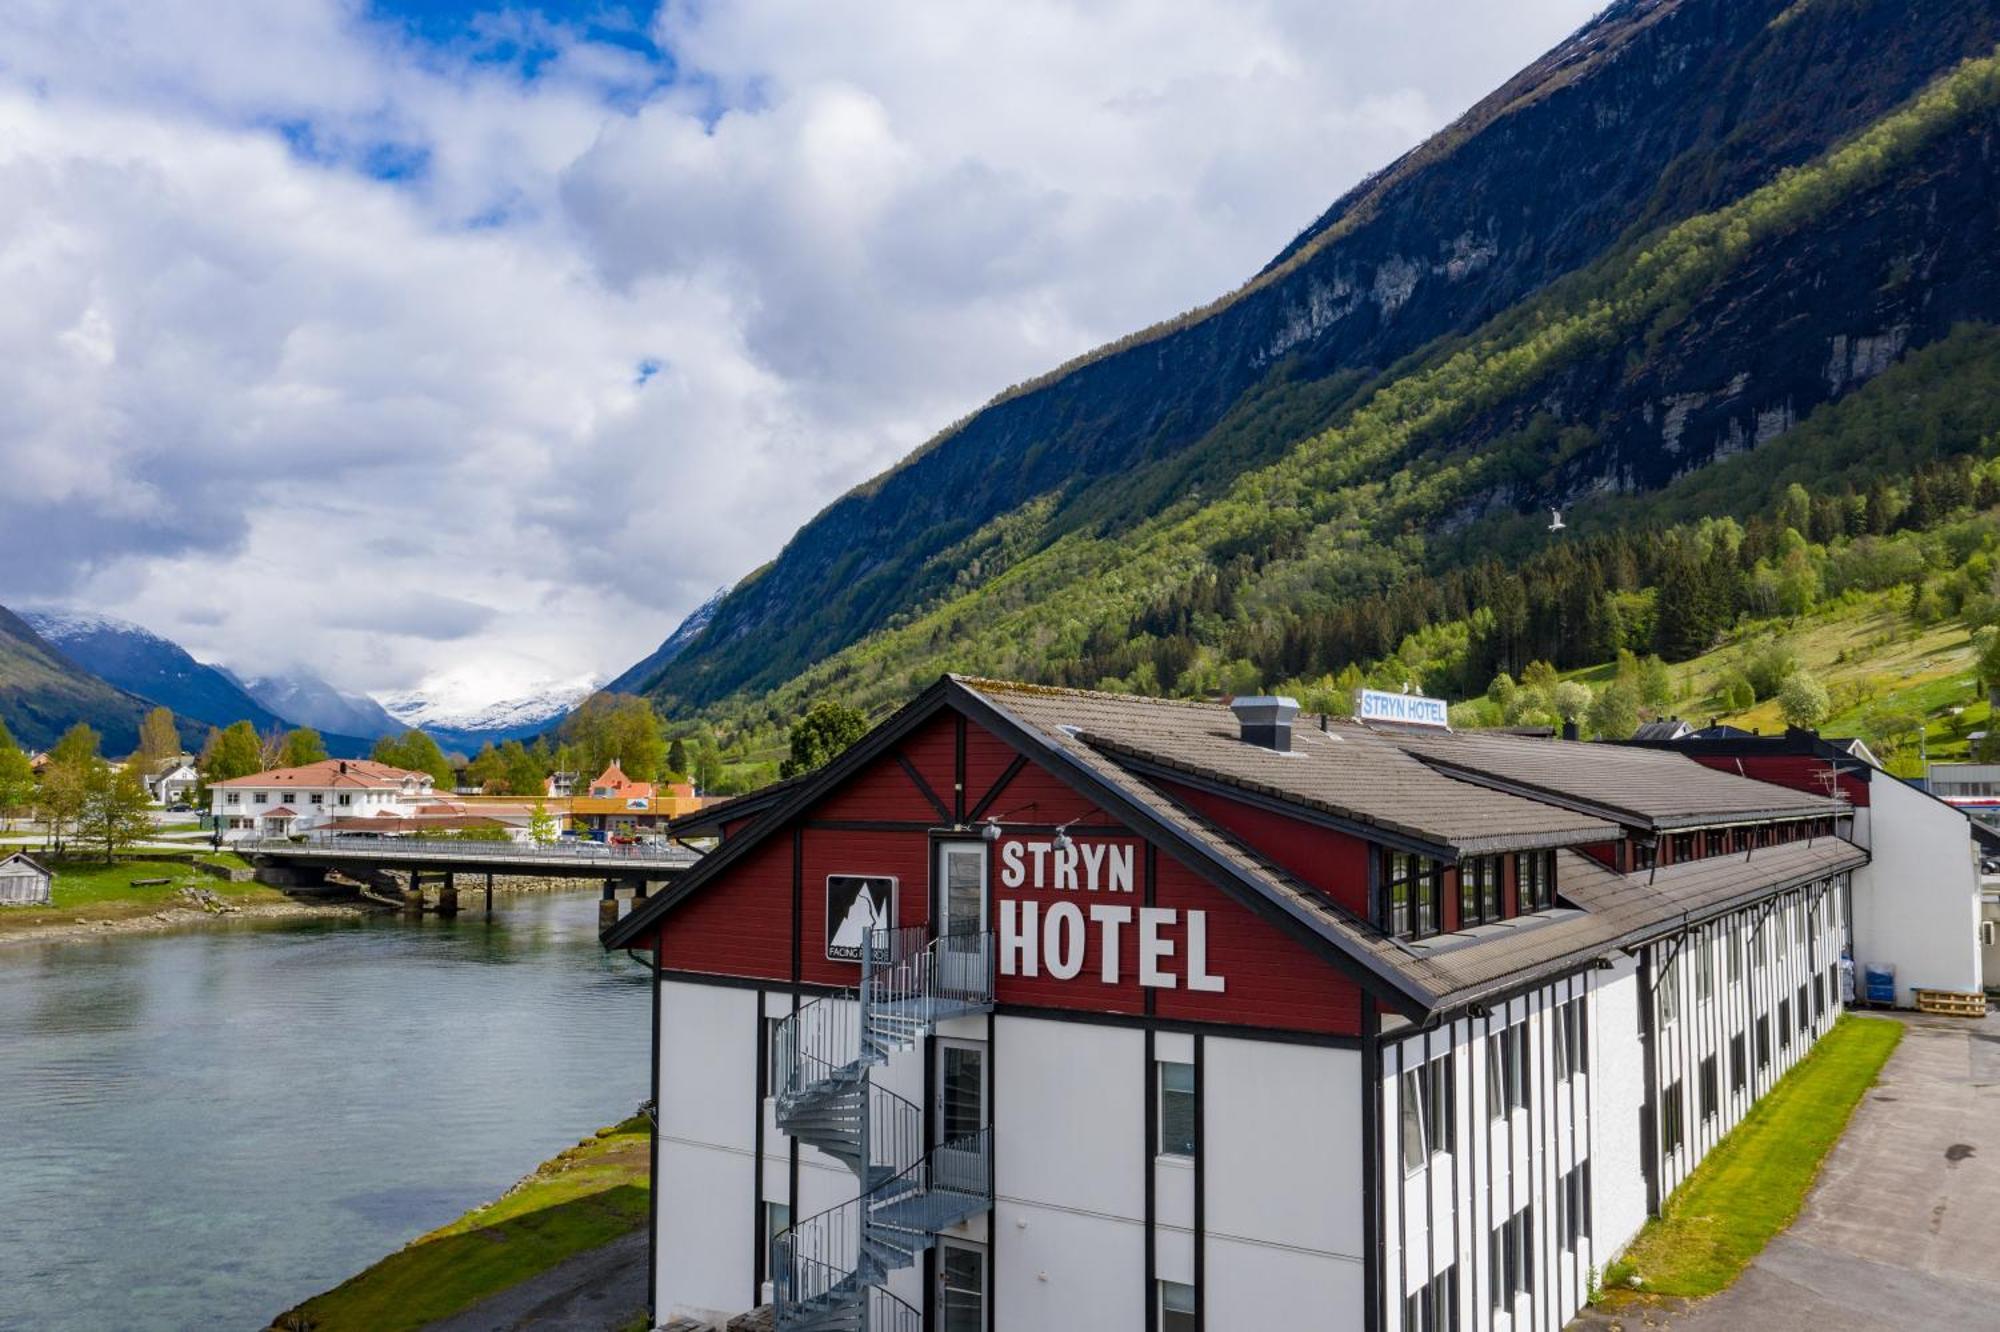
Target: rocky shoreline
[185,916]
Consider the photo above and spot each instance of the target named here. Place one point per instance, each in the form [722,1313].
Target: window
[1714,840]
[344,798]
[1572,1039]
[1432,1309]
[961,1092]
[1176,1307]
[1672,1132]
[774,1061]
[1176,1108]
[777,1220]
[1780,936]
[961,1285]
[1535,878]
[1573,1207]
[1737,1069]
[1507,1071]
[1683,847]
[1756,947]
[1704,970]
[1644,854]
[1711,1096]
[257,798]
[1411,895]
[1819,997]
[1784,1024]
[1426,1112]
[318,797]
[1763,1042]
[1805,1021]
[1511,1256]
[1732,950]
[232,798]
[1479,890]
[1668,994]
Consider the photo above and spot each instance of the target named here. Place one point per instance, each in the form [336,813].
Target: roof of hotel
[330,774]
[1129,753]
[1653,788]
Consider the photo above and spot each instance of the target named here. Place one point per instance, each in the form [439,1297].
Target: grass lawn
[587,1196]
[1752,1184]
[91,890]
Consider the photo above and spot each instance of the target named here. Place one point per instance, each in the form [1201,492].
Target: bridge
[632,872]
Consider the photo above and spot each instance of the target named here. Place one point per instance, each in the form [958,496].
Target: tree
[1803,701]
[78,745]
[301,747]
[708,764]
[1570,700]
[1614,713]
[542,827]
[17,779]
[828,728]
[620,727]
[230,753]
[527,769]
[415,752]
[488,771]
[113,811]
[677,757]
[59,798]
[159,740]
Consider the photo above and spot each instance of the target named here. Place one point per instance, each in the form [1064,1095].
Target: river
[199,1130]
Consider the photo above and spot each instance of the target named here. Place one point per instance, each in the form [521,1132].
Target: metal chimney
[1266,720]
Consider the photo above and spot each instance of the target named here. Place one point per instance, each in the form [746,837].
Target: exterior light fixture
[990,830]
[1063,843]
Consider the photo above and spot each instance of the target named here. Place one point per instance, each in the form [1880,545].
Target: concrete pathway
[1903,1228]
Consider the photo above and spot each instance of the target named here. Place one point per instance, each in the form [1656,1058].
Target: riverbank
[591,1196]
[149,894]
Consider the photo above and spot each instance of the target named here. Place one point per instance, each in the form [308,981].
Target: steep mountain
[457,720]
[1673,239]
[635,680]
[138,660]
[310,701]
[43,693]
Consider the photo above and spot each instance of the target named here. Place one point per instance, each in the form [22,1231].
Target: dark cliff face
[1660,110]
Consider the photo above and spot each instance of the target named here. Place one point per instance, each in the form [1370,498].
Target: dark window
[1667,995]
[1671,1110]
[1507,1071]
[1176,1307]
[1737,1071]
[1644,853]
[1176,1108]
[1426,1112]
[1714,840]
[1572,1039]
[1413,904]
[1819,997]
[774,1063]
[1784,1024]
[1710,1097]
[1511,1257]
[1683,847]
[1435,1307]
[1535,875]
[1479,890]
[1805,1018]
[1573,1207]
[1763,1042]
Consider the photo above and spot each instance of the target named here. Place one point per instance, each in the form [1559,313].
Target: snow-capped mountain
[453,711]
[311,701]
[140,661]
[636,679]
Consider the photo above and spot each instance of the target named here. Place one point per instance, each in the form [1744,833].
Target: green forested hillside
[1386,535]
[43,693]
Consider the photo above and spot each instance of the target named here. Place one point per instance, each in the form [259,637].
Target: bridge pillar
[489,892]
[607,908]
[413,896]
[448,895]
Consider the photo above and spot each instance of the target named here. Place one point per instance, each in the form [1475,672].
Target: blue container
[1879,985]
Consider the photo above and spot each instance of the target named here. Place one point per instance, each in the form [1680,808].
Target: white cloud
[259,400]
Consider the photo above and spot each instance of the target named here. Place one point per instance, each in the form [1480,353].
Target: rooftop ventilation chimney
[1266,720]
[343,767]
[1570,731]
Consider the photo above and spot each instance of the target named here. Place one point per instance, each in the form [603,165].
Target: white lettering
[1038,851]
[1108,919]
[1197,955]
[1066,868]
[1153,949]
[1121,869]
[1093,861]
[1017,937]
[1011,869]
[1062,940]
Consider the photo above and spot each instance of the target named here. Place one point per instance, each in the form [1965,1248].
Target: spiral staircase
[828,1270]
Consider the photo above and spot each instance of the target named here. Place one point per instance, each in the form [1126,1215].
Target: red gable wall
[1330,861]
[1800,772]
[741,925]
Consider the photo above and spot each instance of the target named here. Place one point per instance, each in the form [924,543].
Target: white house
[174,782]
[331,795]
[24,882]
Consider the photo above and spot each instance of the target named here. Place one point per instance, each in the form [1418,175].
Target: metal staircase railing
[827,1270]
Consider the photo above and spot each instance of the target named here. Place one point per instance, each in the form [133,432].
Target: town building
[173,782]
[333,795]
[1040,1008]
[24,881]
[1917,908]
[618,807]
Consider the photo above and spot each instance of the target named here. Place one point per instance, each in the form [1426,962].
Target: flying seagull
[1555,520]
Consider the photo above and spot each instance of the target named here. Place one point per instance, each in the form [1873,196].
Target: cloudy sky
[474,342]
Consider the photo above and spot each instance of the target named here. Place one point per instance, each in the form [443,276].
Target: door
[959,1115]
[961,1281]
[960,912]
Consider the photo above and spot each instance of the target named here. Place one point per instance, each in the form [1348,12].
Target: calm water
[199,1130]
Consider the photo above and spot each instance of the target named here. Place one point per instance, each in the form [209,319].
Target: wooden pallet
[1949,1003]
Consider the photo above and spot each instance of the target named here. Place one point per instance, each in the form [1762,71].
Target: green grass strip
[1753,1183]
[588,1196]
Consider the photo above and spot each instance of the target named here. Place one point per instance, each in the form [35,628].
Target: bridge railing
[463,849]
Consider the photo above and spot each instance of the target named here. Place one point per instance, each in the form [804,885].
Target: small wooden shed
[24,882]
